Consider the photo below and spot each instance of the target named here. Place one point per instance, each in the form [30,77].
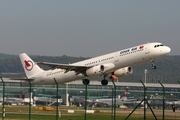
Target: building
[76,89]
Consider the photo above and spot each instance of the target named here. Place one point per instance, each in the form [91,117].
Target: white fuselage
[123,58]
[108,101]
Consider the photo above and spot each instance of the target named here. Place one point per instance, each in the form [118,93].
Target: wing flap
[24,79]
[68,67]
[61,66]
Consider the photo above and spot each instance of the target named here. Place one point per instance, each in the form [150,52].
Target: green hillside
[168,67]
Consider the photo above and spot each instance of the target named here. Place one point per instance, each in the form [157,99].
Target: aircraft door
[116,57]
[147,49]
[41,79]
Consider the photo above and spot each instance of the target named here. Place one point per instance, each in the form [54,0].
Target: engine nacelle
[123,71]
[109,67]
[100,69]
[96,70]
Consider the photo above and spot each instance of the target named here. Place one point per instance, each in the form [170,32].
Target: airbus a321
[119,101]
[115,64]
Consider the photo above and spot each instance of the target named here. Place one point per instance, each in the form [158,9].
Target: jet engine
[100,69]
[123,71]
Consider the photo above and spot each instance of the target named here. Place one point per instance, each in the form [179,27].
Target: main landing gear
[86,81]
[153,65]
[103,82]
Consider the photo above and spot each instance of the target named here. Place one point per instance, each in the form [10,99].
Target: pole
[85,106]
[163,98]
[145,81]
[145,72]
[178,82]
[3,109]
[134,109]
[29,99]
[112,110]
[114,99]
[145,100]
[56,99]
[67,95]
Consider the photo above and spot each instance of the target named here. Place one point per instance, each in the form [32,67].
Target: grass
[21,113]
[89,117]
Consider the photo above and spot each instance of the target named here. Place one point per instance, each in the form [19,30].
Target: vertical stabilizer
[125,93]
[31,69]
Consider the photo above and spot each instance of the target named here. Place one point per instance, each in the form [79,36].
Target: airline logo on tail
[125,92]
[28,65]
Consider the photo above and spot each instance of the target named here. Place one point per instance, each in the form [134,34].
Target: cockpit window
[158,45]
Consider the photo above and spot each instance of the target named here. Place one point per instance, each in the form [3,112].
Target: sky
[86,28]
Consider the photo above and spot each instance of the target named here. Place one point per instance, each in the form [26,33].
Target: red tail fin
[125,92]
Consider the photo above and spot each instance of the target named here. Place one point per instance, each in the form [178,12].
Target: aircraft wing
[68,67]
[21,79]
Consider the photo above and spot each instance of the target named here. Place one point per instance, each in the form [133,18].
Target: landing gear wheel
[86,81]
[153,65]
[104,82]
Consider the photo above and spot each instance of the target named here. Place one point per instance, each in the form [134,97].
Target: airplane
[13,101]
[119,101]
[116,64]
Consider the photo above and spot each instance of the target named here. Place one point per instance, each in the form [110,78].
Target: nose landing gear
[153,65]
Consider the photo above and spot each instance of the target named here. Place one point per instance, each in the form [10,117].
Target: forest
[168,68]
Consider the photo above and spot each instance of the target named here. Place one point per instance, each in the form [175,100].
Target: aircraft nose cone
[168,50]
